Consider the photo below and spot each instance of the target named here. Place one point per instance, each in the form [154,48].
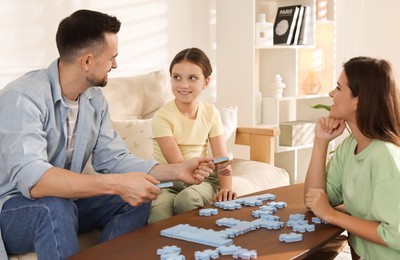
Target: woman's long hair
[378,111]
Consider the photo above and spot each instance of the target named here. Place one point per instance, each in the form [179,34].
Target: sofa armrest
[260,140]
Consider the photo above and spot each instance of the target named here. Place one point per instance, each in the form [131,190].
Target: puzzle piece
[206,254]
[172,256]
[289,238]
[270,217]
[292,223]
[247,201]
[208,212]
[303,228]
[297,217]
[169,250]
[228,250]
[317,220]
[279,204]
[245,254]
[197,235]
[165,184]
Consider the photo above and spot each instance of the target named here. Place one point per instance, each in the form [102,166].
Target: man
[52,120]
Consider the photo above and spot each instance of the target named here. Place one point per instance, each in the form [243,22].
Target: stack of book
[291,25]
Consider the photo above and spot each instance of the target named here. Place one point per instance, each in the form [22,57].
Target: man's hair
[195,56]
[378,110]
[83,30]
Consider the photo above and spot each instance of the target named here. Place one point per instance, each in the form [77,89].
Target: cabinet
[244,70]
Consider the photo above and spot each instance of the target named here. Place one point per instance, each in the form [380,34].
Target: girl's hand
[225,195]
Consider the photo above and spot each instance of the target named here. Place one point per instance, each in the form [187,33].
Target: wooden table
[143,243]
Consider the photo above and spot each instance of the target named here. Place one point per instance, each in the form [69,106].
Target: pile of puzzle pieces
[222,239]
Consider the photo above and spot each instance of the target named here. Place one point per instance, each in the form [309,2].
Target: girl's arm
[170,149]
[224,170]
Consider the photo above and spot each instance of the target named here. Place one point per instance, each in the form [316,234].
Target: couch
[132,103]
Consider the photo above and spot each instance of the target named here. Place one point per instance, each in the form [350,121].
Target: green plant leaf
[322,106]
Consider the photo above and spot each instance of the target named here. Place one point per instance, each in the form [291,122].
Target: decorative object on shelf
[276,88]
[312,61]
[295,133]
[322,10]
[285,24]
[264,32]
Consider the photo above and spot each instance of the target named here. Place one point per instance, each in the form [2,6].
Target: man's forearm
[63,183]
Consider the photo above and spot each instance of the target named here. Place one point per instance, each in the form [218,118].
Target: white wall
[152,32]
[369,28]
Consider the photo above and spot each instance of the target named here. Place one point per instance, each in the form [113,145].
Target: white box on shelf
[296,133]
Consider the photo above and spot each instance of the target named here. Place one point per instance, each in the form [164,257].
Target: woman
[364,173]
[182,129]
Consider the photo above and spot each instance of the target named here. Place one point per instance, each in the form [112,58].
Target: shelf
[285,47]
[298,97]
[259,65]
[282,149]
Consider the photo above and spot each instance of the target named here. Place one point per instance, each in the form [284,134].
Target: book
[285,24]
[305,37]
[299,24]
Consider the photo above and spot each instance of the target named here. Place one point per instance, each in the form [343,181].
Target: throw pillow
[229,122]
[137,96]
[137,135]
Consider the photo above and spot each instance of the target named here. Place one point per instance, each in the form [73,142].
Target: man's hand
[194,171]
[136,187]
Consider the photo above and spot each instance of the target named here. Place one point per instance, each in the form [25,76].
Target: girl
[182,129]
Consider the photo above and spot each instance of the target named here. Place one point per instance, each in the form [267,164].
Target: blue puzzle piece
[292,223]
[208,212]
[165,184]
[279,204]
[245,254]
[206,254]
[172,256]
[168,250]
[289,238]
[197,235]
[247,201]
[297,217]
[228,250]
[317,220]
[303,228]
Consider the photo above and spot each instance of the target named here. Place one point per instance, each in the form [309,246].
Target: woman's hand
[317,201]
[328,128]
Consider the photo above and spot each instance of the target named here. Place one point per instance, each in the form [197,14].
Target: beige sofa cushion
[252,176]
[128,97]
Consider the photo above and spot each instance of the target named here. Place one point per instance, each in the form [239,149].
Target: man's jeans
[49,226]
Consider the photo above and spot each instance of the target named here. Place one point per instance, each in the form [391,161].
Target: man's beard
[96,82]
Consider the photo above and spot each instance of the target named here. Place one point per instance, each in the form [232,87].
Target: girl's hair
[378,111]
[195,56]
